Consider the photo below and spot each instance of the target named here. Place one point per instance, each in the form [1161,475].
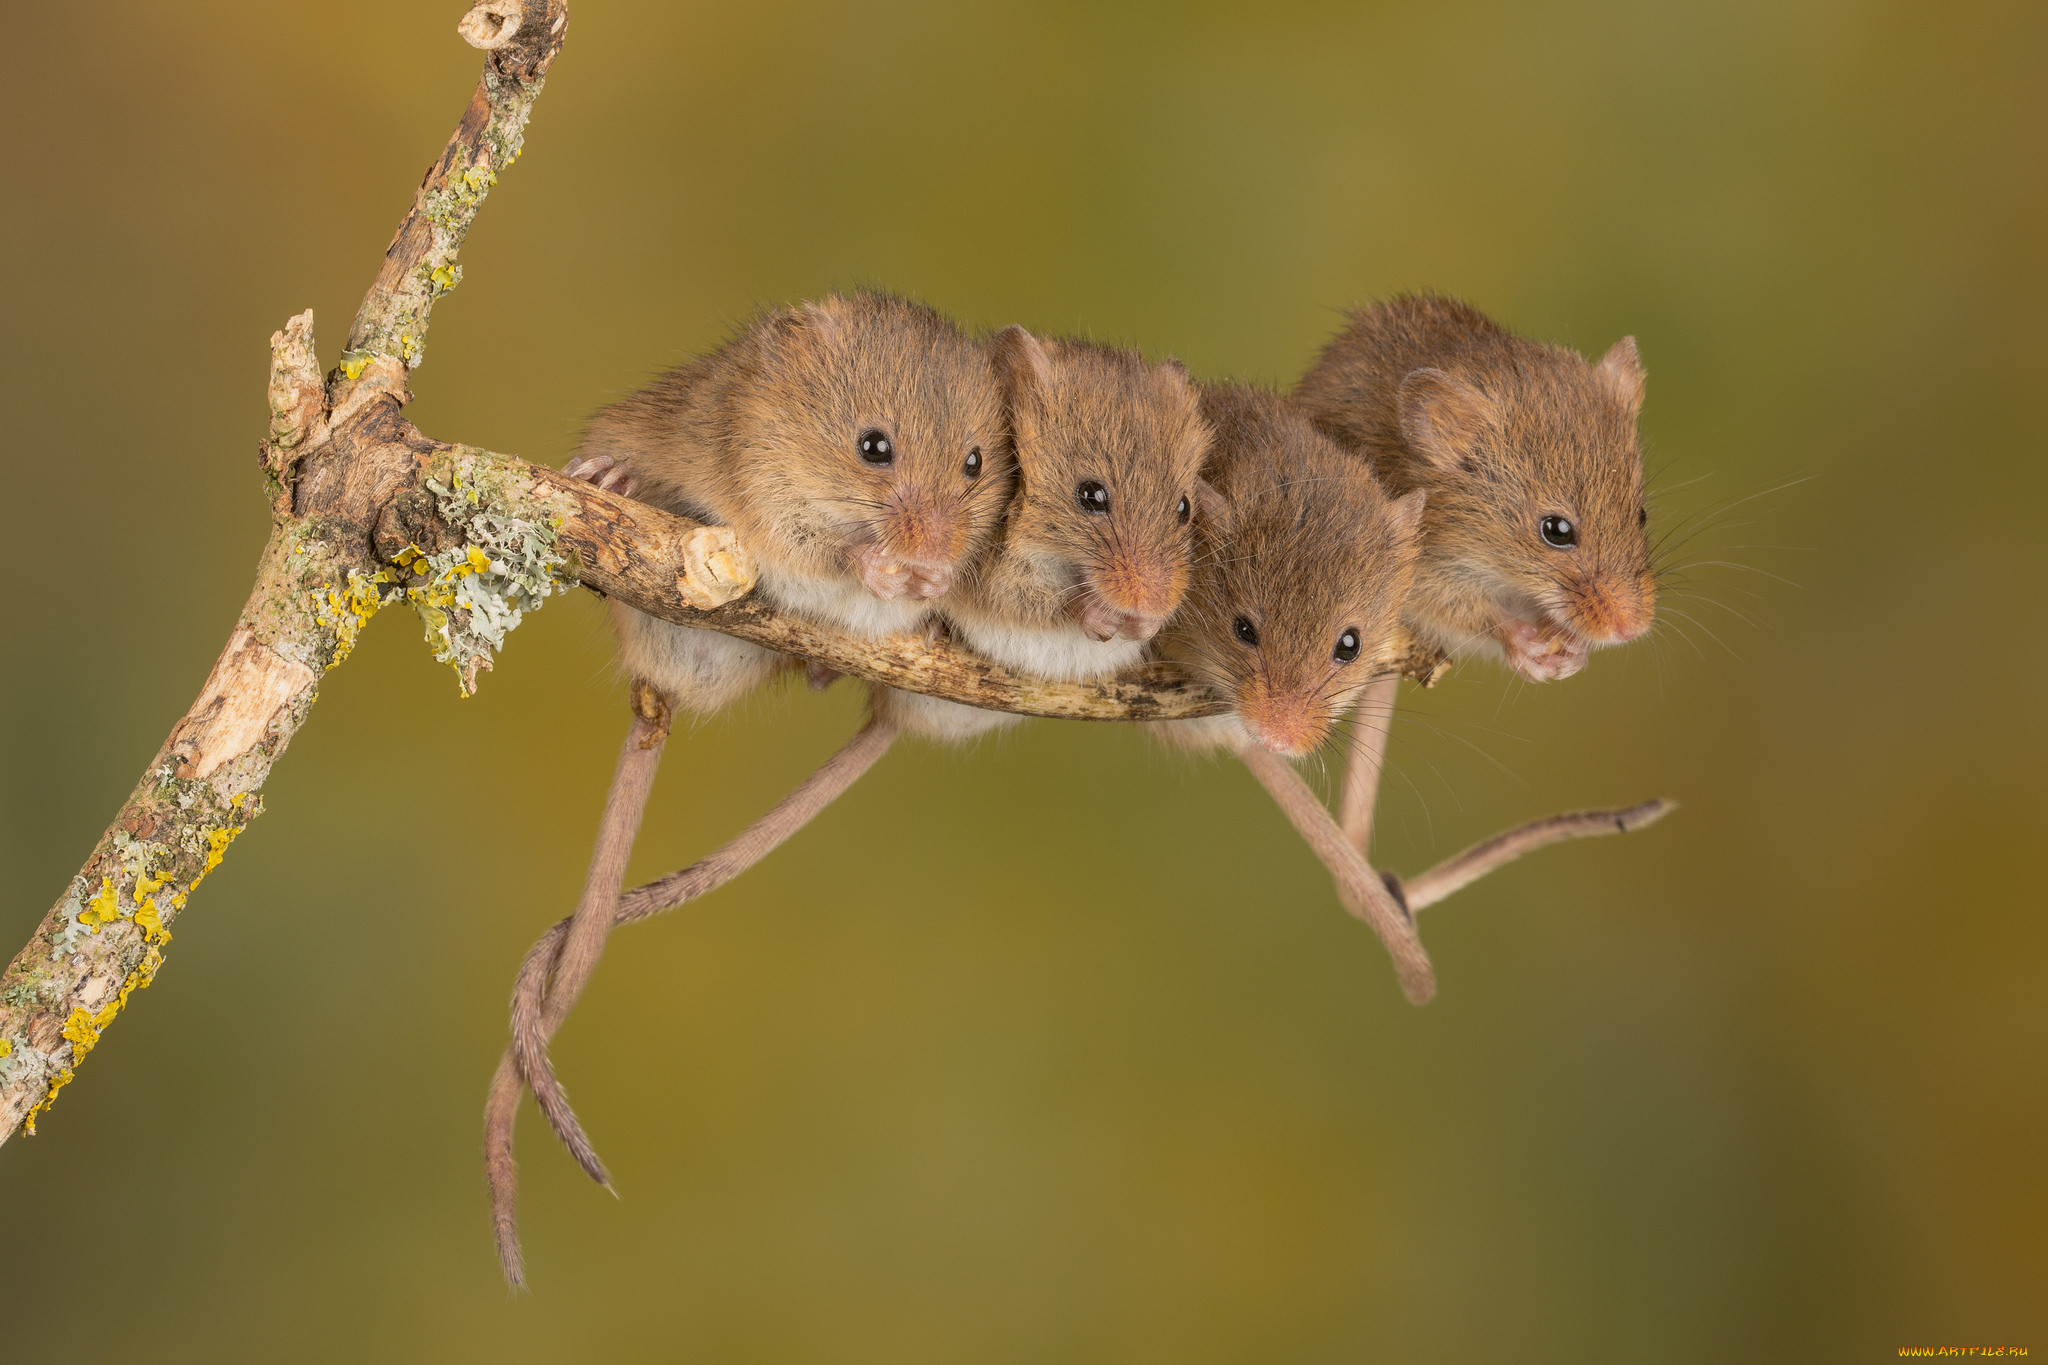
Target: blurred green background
[1061,1049]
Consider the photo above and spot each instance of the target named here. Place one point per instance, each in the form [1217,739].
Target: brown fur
[1502,432]
[1081,412]
[762,435]
[1302,543]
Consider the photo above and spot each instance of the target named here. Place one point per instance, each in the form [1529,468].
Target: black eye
[974,463]
[1092,496]
[1246,631]
[1347,646]
[1184,510]
[877,448]
[1560,532]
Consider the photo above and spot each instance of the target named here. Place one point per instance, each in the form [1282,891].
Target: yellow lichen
[6,1048]
[57,1082]
[83,1030]
[217,840]
[103,908]
[152,924]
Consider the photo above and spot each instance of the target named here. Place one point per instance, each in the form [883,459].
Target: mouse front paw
[1540,653]
[604,472]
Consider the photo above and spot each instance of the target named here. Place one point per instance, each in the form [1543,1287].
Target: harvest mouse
[1304,564]
[1534,544]
[1095,547]
[858,447]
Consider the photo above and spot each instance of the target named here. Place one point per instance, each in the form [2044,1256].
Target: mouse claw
[1541,653]
[602,471]
[716,568]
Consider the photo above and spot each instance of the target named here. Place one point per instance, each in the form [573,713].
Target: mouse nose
[1613,611]
[1285,720]
[1130,596]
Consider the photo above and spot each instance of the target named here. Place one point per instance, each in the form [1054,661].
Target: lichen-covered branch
[521,39]
[317,584]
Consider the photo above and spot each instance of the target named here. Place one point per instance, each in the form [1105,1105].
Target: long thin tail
[1369,722]
[575,954]
[1364,894]
[538,1003]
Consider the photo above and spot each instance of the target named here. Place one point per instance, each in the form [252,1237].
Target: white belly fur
[843,602]
[1060,653]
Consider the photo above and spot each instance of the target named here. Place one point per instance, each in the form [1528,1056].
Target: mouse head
[1108,452]
[1304,564]
[874,443]
[1536,492]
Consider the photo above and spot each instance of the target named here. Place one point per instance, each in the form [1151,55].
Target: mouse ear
[1406,514]
[824,318]
[1214,507]
[1444,419]
[1020,361]
[1621,369]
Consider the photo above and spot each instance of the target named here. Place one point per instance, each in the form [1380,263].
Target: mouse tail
[1364,894]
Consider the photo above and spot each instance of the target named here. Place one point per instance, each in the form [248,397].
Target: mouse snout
[1131,597]
[1286,720]
[1610,610]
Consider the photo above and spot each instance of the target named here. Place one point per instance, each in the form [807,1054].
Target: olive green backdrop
[1061,1049]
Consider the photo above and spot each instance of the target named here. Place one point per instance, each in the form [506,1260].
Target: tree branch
[366,511]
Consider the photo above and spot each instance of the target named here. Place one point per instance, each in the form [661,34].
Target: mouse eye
[877,448]
[974,462]
[1347,646]
[1092,496]
[1559,532]
[1244,630]
[1184,510]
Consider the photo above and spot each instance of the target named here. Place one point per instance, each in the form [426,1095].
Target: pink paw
[1101,621]
[1540,653]
[890,576]
[603,472]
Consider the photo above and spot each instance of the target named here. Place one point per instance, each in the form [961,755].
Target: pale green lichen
[471,596]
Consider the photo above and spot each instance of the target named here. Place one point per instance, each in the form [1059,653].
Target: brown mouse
[1304,564]
[1096,544]
[858,447]
[1534,544]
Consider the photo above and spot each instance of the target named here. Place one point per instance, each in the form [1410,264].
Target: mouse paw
[890,576]
[819,676]
[1540,653]
[716,568]
[603,472]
